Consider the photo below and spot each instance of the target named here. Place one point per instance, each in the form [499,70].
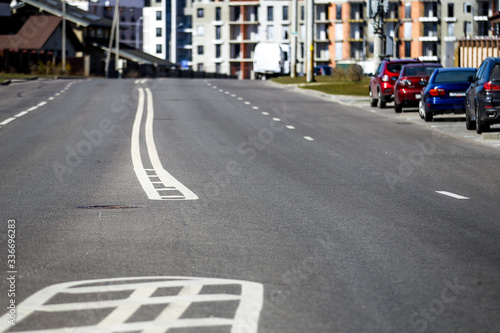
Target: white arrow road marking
[453,195]
[248,298]
[168,181]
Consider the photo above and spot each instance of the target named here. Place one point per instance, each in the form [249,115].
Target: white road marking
[20,114]
[214,87]
[6,121]
[308,138]
[453,195]
[265,113]
[227,92]
[165,178]
[290,127]
[220,90]
[240,98]
[248,103]
[233,95]
[247,308]
[57,94]
[41,104]
[33,108]
[276,119]
[51,98]
[255,107]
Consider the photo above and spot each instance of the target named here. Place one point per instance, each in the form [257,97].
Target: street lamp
[137,36]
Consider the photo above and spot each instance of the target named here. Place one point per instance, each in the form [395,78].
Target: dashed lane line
[6,121]
[453,195]
[290,127]
[308,138]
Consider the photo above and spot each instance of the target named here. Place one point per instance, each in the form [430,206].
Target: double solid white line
[170,184]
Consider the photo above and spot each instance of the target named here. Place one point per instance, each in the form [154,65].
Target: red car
[382,82]
[408,88]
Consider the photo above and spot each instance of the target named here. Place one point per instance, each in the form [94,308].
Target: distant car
[408,87]
[381,87]
[445,92]
[482,99]
[322,70]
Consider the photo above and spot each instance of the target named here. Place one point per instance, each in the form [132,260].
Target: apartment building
[130,18]
[225,32]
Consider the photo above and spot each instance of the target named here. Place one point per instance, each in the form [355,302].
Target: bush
[355,73]
[339,74]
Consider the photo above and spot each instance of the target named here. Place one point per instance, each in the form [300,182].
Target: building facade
[225,32]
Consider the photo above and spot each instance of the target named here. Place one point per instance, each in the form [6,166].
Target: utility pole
[110,45]
[310,41]
[117,49]
[378,11]
[295,33]
[63,46]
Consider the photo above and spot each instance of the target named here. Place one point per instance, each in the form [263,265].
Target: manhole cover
[108,207]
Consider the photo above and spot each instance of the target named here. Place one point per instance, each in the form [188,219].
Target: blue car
[445,92]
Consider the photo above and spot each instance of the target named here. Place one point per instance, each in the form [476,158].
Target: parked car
[445,92]
[482,99]
[271,59]
[408,88]
[382,82]
[323,70]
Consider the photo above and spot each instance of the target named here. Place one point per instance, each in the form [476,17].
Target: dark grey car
[482,107]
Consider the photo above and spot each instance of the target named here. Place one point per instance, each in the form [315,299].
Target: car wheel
[480,125]
[381,102]
[427,115]
[398,108]
[421,109]
[373,101]
[469,124]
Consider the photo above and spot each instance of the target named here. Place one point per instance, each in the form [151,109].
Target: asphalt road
[239,206]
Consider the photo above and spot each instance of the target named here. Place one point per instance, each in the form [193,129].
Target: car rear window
[394,68]
[454,76]
[495,73]
[419,70]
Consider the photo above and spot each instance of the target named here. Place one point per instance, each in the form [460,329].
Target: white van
[271,59]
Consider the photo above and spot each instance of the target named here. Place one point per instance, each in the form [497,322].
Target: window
[217,68]
[158,15]
[285,31]
[407,30]
[302,13]
[200,30]
[132,14]
[270,32]
[158,1]
[199,67]
[200,49]
[217,13]
[270,13]
[200,12]
[338,50]
[217,32]
[467,28]
[408,10]
[158,32]
[407,49]
[467,8]
[451,10]
[285,13]
[451,29]
[158,48]
[338,10]
[217,51]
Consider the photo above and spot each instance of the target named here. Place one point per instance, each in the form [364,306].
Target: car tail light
[406,82]
[490,86]
[437,92]
[385,78]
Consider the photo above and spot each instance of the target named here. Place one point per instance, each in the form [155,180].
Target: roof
[28,38]
[73,14]
[129,53]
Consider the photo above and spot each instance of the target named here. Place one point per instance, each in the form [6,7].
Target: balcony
[428,39]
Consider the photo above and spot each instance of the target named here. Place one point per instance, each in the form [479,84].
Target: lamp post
[63,46]
[137,36]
